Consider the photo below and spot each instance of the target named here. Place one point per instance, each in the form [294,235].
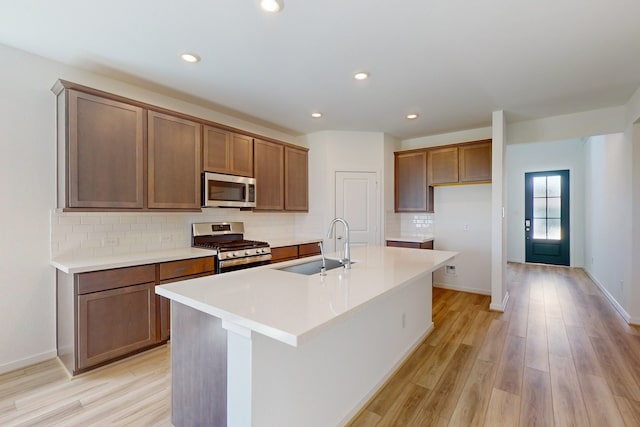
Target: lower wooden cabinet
[115,322]
[106,315]
[288,253]
[415,245]
[174,271]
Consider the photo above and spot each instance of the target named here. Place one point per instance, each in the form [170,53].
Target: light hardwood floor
[131,392]
[560,355]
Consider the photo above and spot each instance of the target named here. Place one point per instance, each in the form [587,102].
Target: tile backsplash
[106,233]
[407,224]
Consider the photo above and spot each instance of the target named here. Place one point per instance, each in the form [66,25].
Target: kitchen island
[265,347]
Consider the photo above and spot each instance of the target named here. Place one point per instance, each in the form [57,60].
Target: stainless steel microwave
[230,191]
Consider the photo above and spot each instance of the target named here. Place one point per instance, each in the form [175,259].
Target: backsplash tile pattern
[416,224]
[408,224]
[106,233]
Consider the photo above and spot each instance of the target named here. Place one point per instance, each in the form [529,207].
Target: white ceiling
[451,61]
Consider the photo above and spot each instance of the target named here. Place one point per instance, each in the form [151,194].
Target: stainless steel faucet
[323,269]
[347,251]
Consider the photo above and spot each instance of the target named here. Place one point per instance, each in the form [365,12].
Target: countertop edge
[87,264]
[411,239]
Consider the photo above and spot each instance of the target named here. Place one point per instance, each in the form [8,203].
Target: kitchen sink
[312,267]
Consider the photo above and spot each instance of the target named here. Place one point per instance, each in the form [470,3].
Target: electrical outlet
[466,227]
[450,270]
[110,241]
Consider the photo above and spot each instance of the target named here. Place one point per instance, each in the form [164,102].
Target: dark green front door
[546,221]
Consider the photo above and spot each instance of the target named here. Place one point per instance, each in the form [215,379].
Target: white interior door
[357,202]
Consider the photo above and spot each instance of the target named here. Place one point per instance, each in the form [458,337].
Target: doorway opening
[546,221]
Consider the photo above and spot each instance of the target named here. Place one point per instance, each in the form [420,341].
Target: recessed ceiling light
[272,5]
[190,57]
[361,75]
[316,115]
[412,116]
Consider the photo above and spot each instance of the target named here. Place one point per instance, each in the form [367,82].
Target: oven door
[241,263]
[221,190]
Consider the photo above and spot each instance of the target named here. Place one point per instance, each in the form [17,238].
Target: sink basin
[313,267]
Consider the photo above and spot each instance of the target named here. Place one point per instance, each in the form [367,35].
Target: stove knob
[236,254]
[247,252]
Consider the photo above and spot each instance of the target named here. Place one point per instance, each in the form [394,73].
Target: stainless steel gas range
[233,252]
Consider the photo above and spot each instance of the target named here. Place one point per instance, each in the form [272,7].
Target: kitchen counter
[72,265]
[300,350]
[412,238]
[291,307]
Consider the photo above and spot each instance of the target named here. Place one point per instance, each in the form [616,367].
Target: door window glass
[546,207]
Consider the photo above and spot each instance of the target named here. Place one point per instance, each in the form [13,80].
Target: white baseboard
[23,363]
[612,300]
[462,289]
[500,307]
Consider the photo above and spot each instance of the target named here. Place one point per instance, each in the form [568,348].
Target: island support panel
[330,376]
[198,368]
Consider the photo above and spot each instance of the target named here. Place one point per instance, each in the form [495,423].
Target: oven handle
[246,260]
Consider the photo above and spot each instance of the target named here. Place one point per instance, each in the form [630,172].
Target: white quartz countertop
[414,238]
[291,307]
[72,265]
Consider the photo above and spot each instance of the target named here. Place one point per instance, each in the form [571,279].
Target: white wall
[463,224]
[568,126]
[608,209]
[27,167]
[456,207]
[632,136]
[545,156]
[333,151]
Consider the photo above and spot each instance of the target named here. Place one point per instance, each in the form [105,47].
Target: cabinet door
[411,192]
[241,155]
[475,162]
[308,249]
[284,253]
[443,166]
[227,152]
[216,150]
[296,178]
[115,322]
[174,162]
[269,173]
[105,153]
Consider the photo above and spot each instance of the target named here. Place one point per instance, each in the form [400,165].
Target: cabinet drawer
[96,281]
[308,249]
[187,267]
[284,253]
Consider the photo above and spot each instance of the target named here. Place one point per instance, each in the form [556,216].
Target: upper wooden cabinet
[296,179]
[227,152]
[411,191]
[173,162]
[103,163]
[282,177]
[460,164]
[443,166]
[268,170]
[116,153]
[475,162]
